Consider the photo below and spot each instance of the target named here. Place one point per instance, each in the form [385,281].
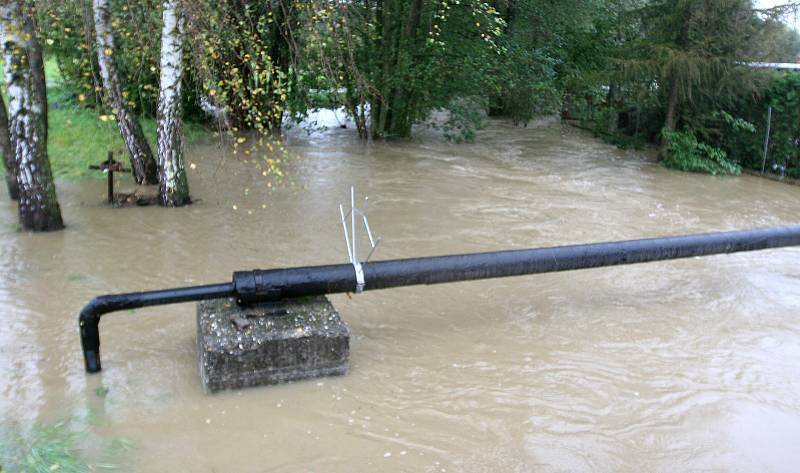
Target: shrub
[682,151]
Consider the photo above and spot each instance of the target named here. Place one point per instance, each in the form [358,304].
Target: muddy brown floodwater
[674,366]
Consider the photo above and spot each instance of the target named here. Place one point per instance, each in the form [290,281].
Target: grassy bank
[79,136]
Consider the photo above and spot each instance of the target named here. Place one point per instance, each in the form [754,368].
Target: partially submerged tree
[173,186]
[695,50]
[538,41]
[27,110]
[393,62]
[9,161]
[142,162]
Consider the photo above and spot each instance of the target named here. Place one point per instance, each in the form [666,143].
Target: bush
[682,151]
[466,116]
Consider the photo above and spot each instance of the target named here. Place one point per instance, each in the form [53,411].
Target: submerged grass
[46,449]
[57,447]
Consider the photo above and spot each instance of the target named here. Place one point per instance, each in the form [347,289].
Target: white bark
[27,118]
[173,186]
[142,162]
[9,161]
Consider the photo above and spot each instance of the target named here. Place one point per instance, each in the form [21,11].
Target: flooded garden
[684,365]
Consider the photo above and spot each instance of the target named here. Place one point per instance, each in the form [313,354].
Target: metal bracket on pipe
[351,238]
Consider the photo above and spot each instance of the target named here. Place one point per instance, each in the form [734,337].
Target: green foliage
[529,88]
[242,52]
[683,152]
[783,96]
[735,124]
[674,62]
[742,137]
[733,135]
[68,36]
[393,63]
[550,49]
[693,51]
[466,116]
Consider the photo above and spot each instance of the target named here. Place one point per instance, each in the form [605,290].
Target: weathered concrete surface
[269,343]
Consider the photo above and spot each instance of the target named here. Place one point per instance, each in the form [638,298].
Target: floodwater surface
[673,366]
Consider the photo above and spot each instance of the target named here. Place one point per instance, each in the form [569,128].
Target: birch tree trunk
[142,162]
[173,189]
[27,118]
[9,161]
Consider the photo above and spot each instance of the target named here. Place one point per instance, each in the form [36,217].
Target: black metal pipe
[276,284]
[89,318]
[443,269]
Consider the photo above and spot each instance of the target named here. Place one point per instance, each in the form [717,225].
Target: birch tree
[173,189]
[27,117]
[142,162]
[9,161]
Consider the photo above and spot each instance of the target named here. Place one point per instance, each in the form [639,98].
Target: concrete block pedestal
[269,343]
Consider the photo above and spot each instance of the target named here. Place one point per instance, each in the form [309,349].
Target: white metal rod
[344,227]
[369,232]
[766,139]
[354,254]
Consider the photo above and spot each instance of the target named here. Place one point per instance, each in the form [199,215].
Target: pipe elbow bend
[89,323]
